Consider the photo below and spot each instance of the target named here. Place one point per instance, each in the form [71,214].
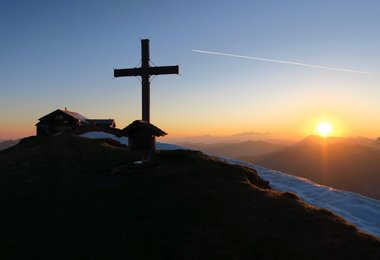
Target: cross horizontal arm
[163,70]
[127,72]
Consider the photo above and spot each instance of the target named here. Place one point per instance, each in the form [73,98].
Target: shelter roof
[140,126]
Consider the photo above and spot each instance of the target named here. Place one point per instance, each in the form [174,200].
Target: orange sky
[284,124]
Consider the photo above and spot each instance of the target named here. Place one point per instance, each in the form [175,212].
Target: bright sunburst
[324,129]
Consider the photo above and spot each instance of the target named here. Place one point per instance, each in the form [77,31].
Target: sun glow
[324,129]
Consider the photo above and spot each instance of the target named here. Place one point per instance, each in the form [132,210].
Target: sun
[324,129]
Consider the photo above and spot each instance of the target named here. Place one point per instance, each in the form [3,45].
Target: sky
[57,54]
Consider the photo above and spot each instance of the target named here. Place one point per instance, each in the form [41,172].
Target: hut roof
[70,113]
[140,126]
[82,119]
[75,115]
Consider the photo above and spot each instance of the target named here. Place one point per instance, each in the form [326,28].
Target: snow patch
[138,162]
[100,135]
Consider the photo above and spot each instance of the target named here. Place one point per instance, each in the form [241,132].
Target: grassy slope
[59,200]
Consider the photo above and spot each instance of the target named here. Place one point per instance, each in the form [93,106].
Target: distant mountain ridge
[377,143]
[336,162]
[8,143]
[235,150]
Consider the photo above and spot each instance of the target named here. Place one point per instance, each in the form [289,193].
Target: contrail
[282,61]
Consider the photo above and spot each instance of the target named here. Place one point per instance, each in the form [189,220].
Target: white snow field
[98,135]
[356,209]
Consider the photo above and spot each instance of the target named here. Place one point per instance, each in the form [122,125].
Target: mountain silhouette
[377,143]
[8,143]
[337,162]
[235,150]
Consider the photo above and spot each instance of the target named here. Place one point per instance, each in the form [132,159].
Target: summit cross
[145,71]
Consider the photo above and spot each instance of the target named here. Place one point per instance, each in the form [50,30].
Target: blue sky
[61,53]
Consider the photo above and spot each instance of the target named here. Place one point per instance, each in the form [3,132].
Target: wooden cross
[145,71]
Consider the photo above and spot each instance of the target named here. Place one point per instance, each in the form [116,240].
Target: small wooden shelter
[142,136]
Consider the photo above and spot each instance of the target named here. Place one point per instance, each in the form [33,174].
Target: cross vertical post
[145,80]
[145,71]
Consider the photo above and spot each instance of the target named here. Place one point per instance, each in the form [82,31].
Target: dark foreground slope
[61,198]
